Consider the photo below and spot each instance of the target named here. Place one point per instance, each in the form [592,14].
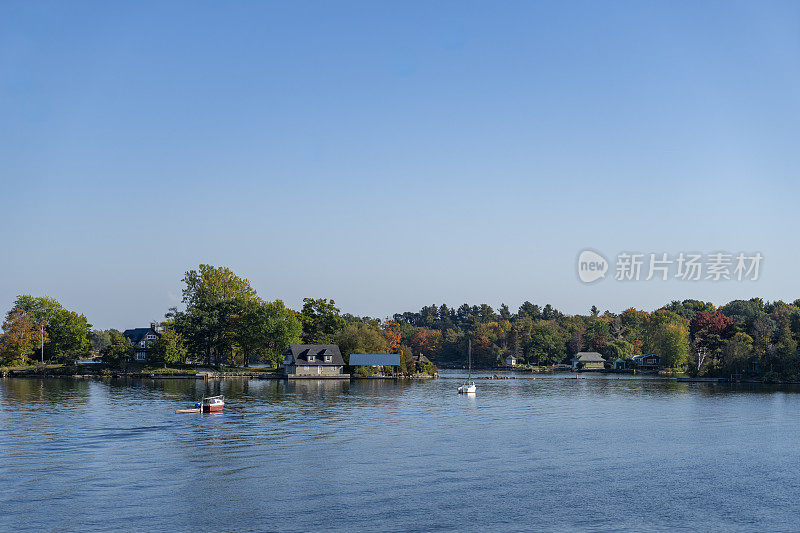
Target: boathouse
[313,361]
[142,340]
[375,360]
[588,361]
[511,360]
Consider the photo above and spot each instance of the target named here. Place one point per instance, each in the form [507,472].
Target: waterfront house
[142,340]
[313,360]
[420,359]
[619,363]
[421,362]
[588,361]
[648,361]
[511,360]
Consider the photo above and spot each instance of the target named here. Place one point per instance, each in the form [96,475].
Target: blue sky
[393,155]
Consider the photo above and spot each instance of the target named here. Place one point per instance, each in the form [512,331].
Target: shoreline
[203,375]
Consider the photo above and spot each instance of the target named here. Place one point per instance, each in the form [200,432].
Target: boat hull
[213,408]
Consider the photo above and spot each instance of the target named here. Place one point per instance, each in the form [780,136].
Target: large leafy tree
[360,338]
[547,343]
[215,299]
[266,329]
[169,348]
[321,320]
[69,333]
[667,334]
[19,340]
[673,344]
[391,330]
[119,350]
[737,351]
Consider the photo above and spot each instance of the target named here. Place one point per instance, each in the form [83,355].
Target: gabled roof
[298,354]
[644,356]
[375,359]
[588,357]
[420,359]
[137,334]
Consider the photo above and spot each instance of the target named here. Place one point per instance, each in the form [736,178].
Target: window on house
[328,358]
[311,358]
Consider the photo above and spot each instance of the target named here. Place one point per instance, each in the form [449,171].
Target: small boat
[209,404]
[469,386]
[213,404]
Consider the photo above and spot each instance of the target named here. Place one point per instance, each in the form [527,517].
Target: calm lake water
[599,453]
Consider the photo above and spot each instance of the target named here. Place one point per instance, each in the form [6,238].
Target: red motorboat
[209,404]
[213,404]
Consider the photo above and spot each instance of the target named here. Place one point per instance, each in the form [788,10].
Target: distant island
[225,324]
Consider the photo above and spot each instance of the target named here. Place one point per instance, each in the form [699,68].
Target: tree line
[224,322]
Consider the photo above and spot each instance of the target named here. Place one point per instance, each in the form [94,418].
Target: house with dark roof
[422,363]
[313,361]
[420,360]
[142,340]
[588,361]
[647,361]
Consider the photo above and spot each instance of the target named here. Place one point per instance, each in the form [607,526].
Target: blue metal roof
[370,359]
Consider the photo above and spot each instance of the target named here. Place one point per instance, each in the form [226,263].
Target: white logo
[591,266]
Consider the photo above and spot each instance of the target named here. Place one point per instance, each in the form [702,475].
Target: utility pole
[42,337]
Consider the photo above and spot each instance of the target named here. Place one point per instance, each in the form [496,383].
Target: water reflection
[380,454]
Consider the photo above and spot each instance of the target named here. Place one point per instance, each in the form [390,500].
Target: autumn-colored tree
[19,340]
[711,322]
[427,342]
[391,331]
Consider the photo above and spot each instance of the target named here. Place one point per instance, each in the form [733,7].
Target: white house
[511,360]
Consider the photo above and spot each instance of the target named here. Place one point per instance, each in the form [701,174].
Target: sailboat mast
[469,354]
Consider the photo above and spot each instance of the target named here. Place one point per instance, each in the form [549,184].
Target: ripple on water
[550,454]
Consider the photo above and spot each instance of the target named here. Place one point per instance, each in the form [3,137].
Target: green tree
[738,350]
[216,299]
[169,348]
[619,348]
[785,344]
[69,333]
[546,344]
[266,329]
[99,340]
[321,321]
[360,338]
[118,352]
[673,344]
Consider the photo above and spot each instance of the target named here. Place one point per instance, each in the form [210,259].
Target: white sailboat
[469,386]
